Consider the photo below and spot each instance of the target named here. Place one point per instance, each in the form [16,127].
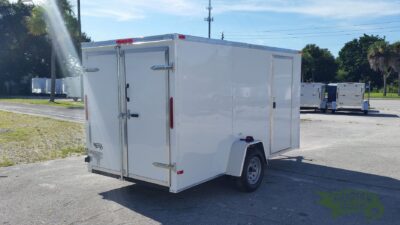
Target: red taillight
[181,36]
[124,41]
[171,113]
[86,109]
[179,172]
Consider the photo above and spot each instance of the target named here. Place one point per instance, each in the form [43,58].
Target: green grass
[59,103]
[4,162]
[380,95]
[28,139]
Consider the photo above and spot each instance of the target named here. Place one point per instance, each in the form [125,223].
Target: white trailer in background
[347,96]
[39,85]
[72,87]
[178,110]
[313,96]
[59,86]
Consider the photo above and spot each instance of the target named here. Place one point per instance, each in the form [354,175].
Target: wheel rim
[254,170]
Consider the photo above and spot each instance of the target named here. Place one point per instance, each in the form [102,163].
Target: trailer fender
[238,154]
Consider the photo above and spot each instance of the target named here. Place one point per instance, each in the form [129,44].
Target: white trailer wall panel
[233,100]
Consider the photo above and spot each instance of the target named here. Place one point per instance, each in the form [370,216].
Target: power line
[306,36]
[313,33]
[316,27]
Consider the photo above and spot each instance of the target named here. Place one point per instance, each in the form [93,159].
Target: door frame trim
[125,150]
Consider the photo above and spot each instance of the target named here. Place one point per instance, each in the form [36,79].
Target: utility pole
[79,22]
[209,19]
[79,43]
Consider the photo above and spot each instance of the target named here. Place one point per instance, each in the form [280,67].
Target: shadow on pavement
[287,196]
[372,113]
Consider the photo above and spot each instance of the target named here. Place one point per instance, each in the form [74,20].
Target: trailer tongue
[178,110]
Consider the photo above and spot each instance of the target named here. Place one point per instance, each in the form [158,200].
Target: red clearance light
[181,36]
[179,172]
[124,41]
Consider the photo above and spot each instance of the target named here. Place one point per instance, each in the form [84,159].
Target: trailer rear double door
[147,104]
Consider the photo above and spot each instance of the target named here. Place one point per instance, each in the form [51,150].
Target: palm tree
[379,55]
[37,25]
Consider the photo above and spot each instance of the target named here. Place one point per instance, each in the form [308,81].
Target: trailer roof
[188,38]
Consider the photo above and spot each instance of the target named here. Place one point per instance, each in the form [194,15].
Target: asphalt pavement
[54,112]
[346,172]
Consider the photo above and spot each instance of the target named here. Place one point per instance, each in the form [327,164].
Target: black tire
[251,179]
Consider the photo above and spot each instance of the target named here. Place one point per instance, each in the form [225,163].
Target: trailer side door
[281,121]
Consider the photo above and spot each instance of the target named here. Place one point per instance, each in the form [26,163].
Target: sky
[278,23]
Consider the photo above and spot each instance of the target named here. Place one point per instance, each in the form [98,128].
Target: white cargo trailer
[72,87]
[177,110]
[39,85]
[59,89]
[347,96]
[312,96]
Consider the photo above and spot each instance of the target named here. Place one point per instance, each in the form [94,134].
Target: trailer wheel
[253,172]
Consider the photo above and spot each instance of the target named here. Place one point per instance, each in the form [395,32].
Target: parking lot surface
[59,113]
[346,172]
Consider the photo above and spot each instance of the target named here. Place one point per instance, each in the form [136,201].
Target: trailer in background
[39,85]
[72,87]
[313,96]
[59,90]
[347,96]
[178,110]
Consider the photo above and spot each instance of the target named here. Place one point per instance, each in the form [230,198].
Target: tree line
[368,58]
[25,47]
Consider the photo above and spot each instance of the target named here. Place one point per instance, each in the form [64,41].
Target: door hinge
[165,166]
[163,67]
[91,70]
